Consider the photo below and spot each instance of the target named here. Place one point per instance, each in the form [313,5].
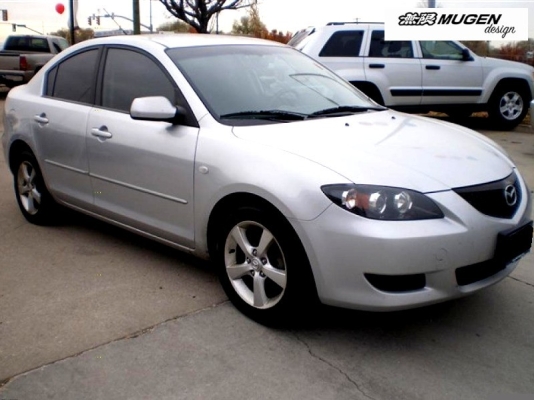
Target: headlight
[384,203]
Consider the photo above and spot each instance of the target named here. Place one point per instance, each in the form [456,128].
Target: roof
[181,40]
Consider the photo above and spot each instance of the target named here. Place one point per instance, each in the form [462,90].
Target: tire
[263,268]
[33,198]
[508,106]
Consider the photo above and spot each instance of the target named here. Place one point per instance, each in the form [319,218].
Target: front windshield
[234,80]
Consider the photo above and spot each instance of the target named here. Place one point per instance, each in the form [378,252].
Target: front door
[142,171]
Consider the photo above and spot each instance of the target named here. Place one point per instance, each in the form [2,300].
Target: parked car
[24,55]
[255,156]
[421,75]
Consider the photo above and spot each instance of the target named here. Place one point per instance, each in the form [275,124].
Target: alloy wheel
[255,265]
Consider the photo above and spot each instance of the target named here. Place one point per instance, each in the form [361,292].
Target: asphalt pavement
[88,311]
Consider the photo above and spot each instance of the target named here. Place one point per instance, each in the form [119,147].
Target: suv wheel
[508,106]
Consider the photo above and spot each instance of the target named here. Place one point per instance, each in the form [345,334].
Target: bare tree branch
[198,13]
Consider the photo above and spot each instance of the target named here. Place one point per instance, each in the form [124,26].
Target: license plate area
[513,245]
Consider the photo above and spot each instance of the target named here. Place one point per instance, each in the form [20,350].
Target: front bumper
[345,250]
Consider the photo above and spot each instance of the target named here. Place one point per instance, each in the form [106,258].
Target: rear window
[298,39]
[27,43]
[343,44]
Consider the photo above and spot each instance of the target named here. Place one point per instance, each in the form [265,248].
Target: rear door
[59,125]
[394,69]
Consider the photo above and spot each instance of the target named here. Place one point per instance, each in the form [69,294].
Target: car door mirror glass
[153,108]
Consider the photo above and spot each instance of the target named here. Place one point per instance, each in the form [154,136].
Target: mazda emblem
[510,195]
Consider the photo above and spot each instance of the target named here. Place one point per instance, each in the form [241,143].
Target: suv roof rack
[353,22]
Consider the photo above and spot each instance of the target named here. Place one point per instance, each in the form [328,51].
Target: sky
[283,15]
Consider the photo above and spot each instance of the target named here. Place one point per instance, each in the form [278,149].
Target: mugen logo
[431,18]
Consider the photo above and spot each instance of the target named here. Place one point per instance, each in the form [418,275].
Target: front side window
[343,44]
[389,48]
[128,75]
[73,79]
[441,49]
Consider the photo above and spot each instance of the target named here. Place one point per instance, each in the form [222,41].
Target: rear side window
[73,79]
[389,48]
[343,44]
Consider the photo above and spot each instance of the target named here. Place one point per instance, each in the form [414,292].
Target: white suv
[421,76]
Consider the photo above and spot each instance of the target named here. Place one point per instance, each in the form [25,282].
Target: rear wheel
[263,267]
[34,201]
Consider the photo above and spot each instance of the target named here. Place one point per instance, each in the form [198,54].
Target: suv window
[73,79]
[343,44]
[126,67]
[299,37]
[444,50]
[389,48]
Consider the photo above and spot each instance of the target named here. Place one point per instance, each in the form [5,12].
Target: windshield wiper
[272,115]
[344,110]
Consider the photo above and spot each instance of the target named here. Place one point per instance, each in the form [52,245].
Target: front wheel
[34,201]
[508,106]
[263,267]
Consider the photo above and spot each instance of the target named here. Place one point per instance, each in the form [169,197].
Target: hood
[491,62]
[389,148]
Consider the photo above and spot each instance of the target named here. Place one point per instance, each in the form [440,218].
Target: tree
[251,24]
[176,26]
[480,47]
[80,34]
[198,13]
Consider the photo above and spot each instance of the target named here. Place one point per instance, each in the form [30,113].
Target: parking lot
[89,311]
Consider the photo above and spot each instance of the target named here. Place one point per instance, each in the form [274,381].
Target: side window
[440,49]
[343,44]
[74,78]
[389,48]
[128,75]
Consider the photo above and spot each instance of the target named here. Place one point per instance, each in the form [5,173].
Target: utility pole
[136,18]
[71,18]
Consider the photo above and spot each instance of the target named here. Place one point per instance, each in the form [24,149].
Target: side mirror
[155,108]
[466,55]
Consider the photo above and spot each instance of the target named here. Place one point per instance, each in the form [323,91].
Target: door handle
[377,66]
[432,67]
[41,118]
[101,132]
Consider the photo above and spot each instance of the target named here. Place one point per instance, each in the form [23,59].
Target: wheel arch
[511,82]
[16,148]
[232,202]
[370,89]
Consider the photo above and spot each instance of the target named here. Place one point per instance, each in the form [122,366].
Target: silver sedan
[249,153]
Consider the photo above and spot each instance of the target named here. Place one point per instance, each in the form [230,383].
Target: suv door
[59,126]
[141,171]
[448,78]
[393,68]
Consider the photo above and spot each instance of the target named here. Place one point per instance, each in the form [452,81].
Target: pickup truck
[24,55]
[421,75]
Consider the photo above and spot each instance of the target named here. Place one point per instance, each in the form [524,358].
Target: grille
[477,272]
[498,199]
